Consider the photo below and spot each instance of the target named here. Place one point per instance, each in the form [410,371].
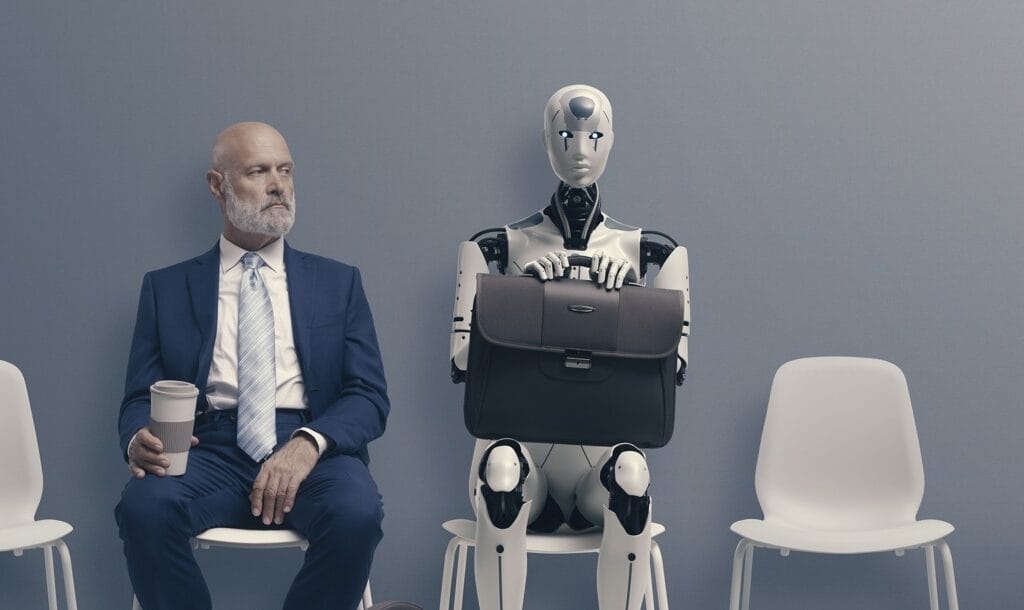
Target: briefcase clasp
[577,359]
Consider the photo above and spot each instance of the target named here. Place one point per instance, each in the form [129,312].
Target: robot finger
[602,269]
[595,261]
[556,263]
[548,267]
[536,269]
[564,257]
[613,271]
[621,276]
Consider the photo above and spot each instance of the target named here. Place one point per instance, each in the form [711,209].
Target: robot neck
[576,212]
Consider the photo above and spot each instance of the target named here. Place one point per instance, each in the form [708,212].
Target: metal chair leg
[446,574]
[738,560]
[51,582]
[748,571]
[69,575]
[460,575]
[933,585]
[659,576]
[947,563]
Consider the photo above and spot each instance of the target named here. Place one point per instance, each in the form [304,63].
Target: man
[282,346]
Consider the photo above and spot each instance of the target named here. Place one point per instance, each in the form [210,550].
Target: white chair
[230,537]
[840,472]
[464,536]
[21,482]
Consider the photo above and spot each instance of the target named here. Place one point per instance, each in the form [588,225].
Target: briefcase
[567,361]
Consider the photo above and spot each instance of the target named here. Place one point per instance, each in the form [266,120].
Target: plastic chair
[236,538]
[839,471]
[21,479]
[464,536]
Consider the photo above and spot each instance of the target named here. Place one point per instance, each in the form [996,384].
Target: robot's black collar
[576,212]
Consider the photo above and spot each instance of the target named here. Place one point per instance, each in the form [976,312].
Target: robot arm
[474,257]
[675,274]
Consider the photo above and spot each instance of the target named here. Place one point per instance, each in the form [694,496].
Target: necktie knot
[251,260]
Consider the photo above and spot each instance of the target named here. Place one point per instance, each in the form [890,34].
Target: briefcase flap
[559,315]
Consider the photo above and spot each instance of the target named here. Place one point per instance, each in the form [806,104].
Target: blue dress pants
[337,509]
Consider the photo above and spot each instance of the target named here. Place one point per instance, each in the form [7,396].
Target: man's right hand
[146,454]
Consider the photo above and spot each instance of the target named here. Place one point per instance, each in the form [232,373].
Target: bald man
[282,346]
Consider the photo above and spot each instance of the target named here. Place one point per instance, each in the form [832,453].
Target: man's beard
[255,217]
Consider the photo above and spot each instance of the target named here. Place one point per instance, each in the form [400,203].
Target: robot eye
[595,135]
[565,134]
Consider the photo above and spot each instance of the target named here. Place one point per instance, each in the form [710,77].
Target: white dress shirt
[222,386]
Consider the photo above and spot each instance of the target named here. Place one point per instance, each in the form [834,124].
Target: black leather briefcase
[567,361]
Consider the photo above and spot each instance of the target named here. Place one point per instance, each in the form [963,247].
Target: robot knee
[503,467]
[626,471]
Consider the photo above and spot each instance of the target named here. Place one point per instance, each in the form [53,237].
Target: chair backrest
[839,449]
[21,473]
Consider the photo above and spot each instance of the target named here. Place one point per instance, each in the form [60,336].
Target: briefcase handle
[582,260]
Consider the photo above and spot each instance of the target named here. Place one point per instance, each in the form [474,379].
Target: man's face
[259,196]
[578,137]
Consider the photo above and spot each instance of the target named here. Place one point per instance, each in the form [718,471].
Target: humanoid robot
[514,486]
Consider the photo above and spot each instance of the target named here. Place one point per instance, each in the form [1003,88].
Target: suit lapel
[203,277]
[301,270]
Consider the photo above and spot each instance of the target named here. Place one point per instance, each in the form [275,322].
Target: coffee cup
[171,417]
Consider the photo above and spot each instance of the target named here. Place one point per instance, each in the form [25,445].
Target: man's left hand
[273,492]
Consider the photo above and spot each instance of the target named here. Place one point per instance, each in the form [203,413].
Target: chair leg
[649,593]
[446,573]
[460,576]
[659,575]
[933,586]
[51,582]
[748,572]
[947,563]
[69,575]
[738,560]
[367,597]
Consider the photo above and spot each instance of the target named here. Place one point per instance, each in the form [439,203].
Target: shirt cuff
[128,451]
[321,441]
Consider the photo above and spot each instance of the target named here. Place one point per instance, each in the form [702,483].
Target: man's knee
[151,507]
[348,522]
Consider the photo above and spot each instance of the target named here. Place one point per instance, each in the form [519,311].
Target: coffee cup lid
[170,387]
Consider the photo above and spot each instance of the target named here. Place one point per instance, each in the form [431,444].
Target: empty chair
[839,471]
[21,479]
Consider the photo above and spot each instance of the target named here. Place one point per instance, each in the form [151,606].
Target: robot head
[578,134]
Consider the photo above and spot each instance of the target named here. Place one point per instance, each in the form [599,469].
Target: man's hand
[551,266]
[609,271]
[146,454]
[273,492]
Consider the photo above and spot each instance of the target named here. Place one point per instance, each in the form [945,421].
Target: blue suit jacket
[331,323]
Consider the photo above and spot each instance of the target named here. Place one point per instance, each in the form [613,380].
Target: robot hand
[609,271]
[552,265]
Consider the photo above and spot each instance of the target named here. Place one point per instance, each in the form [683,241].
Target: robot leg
[623,567]
[508,483]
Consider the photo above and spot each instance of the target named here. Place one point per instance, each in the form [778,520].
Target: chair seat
[33,534]
[263,539]
[586,542]
[786,536]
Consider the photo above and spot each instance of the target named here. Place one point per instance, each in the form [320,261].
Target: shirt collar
[231,254]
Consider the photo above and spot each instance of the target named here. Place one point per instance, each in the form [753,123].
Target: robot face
[578,134]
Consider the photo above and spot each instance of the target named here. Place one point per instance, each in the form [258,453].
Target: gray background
[847,178]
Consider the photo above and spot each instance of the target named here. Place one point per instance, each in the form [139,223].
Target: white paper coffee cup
[171,417]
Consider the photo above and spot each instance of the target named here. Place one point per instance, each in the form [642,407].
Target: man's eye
[565,134]
[595,135]
[286,170]
[255,172]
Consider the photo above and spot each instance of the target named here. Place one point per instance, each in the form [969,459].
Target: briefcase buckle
[577,359]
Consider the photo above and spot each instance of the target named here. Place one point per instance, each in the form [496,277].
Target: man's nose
[274,184]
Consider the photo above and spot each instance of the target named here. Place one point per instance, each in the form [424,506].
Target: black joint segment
[549,519]
[500,549]
[632,556]
[578,522]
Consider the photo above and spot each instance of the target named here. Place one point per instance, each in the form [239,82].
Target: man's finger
[145,456]
[293,490]
[149,440]
[256,496]
[282,499]
[270,498]
[195,441]
[137,472]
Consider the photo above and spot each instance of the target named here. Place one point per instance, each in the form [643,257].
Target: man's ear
[215,182]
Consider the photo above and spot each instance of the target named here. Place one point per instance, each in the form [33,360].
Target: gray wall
[847,177]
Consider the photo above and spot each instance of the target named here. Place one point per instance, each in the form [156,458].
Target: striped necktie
[257,381]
